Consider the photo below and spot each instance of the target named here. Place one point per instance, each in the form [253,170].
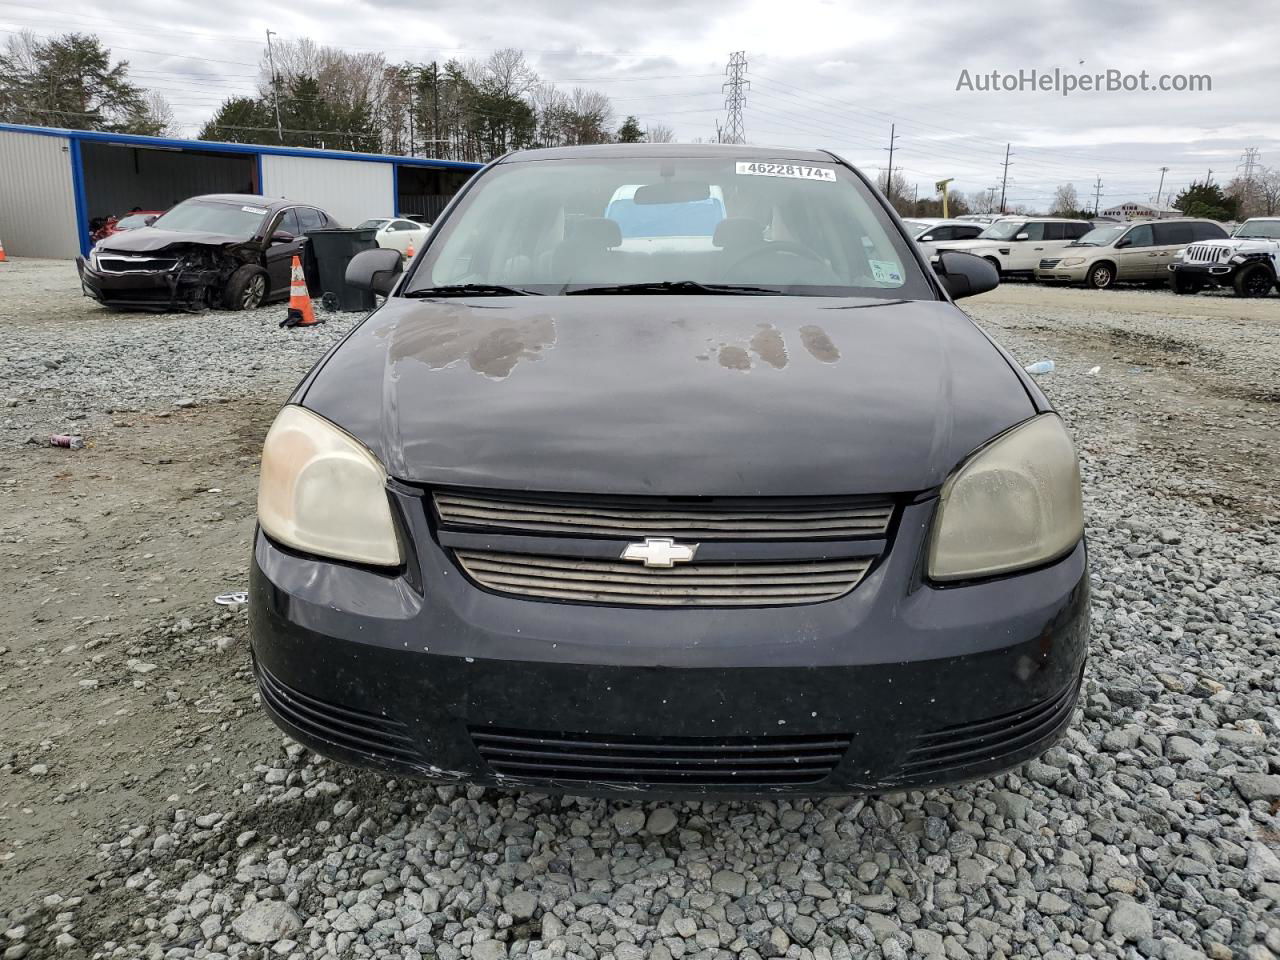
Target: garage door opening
[426,190]
[121,177]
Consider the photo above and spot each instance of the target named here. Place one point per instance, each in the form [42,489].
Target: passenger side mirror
[376,270]
[964,274]
[282,236]
[1023,236]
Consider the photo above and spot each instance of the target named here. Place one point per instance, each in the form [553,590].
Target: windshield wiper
[673,286]
[470,290]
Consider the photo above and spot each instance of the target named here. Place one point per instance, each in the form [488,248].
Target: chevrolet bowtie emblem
[660,552]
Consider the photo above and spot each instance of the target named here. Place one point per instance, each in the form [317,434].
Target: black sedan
[224,250]
[671,470]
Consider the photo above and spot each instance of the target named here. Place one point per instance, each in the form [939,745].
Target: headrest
[738,232]
[594,232]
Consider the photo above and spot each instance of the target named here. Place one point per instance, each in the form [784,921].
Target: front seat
[584,256]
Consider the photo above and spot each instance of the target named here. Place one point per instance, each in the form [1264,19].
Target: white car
[1017,245]
[396,233]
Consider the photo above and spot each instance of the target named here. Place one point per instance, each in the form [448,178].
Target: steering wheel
[778,246]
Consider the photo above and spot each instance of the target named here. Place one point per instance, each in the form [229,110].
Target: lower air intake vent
[694,584]
[964,744]
[682,761]
[341,726]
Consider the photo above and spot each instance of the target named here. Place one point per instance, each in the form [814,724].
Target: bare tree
[659,133]
[159,115]
[1267,187]
[1065,199]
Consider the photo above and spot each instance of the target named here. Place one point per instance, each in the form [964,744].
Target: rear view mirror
[1124,242]
[1023,236]
[282,236]
[927,238]
[376,270]
[675,191]
[964,274]
[151,219]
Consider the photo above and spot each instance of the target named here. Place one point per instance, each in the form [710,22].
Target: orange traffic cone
[408,253]
[301,313]
[3,258]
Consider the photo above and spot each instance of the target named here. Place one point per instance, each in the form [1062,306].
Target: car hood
[1242,244]
[147,239]
[670,395]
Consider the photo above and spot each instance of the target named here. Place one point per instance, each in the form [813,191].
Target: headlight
[1013,504]
[1072,262]
[322,492]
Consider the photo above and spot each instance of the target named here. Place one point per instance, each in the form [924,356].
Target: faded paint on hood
[699,395]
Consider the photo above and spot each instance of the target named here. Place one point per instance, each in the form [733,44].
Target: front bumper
[1061,274]
[896,684]
[148,290]
[1214,272]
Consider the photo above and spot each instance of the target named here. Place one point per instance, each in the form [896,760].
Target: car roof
[271,203]
[610,151]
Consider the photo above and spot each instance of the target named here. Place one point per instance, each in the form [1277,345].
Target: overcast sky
[831,73]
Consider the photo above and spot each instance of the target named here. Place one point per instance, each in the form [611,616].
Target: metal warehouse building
[54,182]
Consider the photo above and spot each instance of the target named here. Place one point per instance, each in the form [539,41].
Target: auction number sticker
[796,171]
[254,209]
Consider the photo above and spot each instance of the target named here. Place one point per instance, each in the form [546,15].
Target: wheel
[1254,281]
[1186,285]
[1101,276]
[246,289]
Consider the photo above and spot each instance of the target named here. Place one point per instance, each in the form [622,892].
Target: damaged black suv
[224,250]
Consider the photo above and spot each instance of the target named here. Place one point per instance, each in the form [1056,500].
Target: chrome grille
[124,263]
[687,761]
[782,518]
[1206,253]
[694,584]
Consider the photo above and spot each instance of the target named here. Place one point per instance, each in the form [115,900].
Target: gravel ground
[69,363]
[1151,831]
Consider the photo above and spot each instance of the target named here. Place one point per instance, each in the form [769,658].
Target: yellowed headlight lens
[321,491]
[1014,504]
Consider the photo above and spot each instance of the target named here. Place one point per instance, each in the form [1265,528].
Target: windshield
[1002,230]
[374,224]
[211,216]
[1102,236]
[553,226]
[133,221]
[1259,229]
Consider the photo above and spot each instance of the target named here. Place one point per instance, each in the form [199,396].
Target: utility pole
[888,175]
[410,73]
[1097,193]
[1160,189]
[735,99]
[1004,181]
[275,86]
[991,199]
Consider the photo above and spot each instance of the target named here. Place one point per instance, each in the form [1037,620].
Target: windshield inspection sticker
[885,271]
[796,171]
[254,209]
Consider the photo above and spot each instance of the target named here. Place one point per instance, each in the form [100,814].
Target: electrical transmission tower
[1249,160]
[735,97]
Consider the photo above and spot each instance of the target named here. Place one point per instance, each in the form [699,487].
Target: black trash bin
[333,249]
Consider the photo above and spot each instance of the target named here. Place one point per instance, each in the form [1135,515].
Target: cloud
[823,73]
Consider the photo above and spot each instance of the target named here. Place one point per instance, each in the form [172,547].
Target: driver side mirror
[1023,236]
[965,274]
[926,238]
[376,270]
[282,236]
[1125,242]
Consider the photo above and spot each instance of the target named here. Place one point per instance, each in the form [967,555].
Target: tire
[1255,280]
[1186,285]
[1101,275]
[246,289]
